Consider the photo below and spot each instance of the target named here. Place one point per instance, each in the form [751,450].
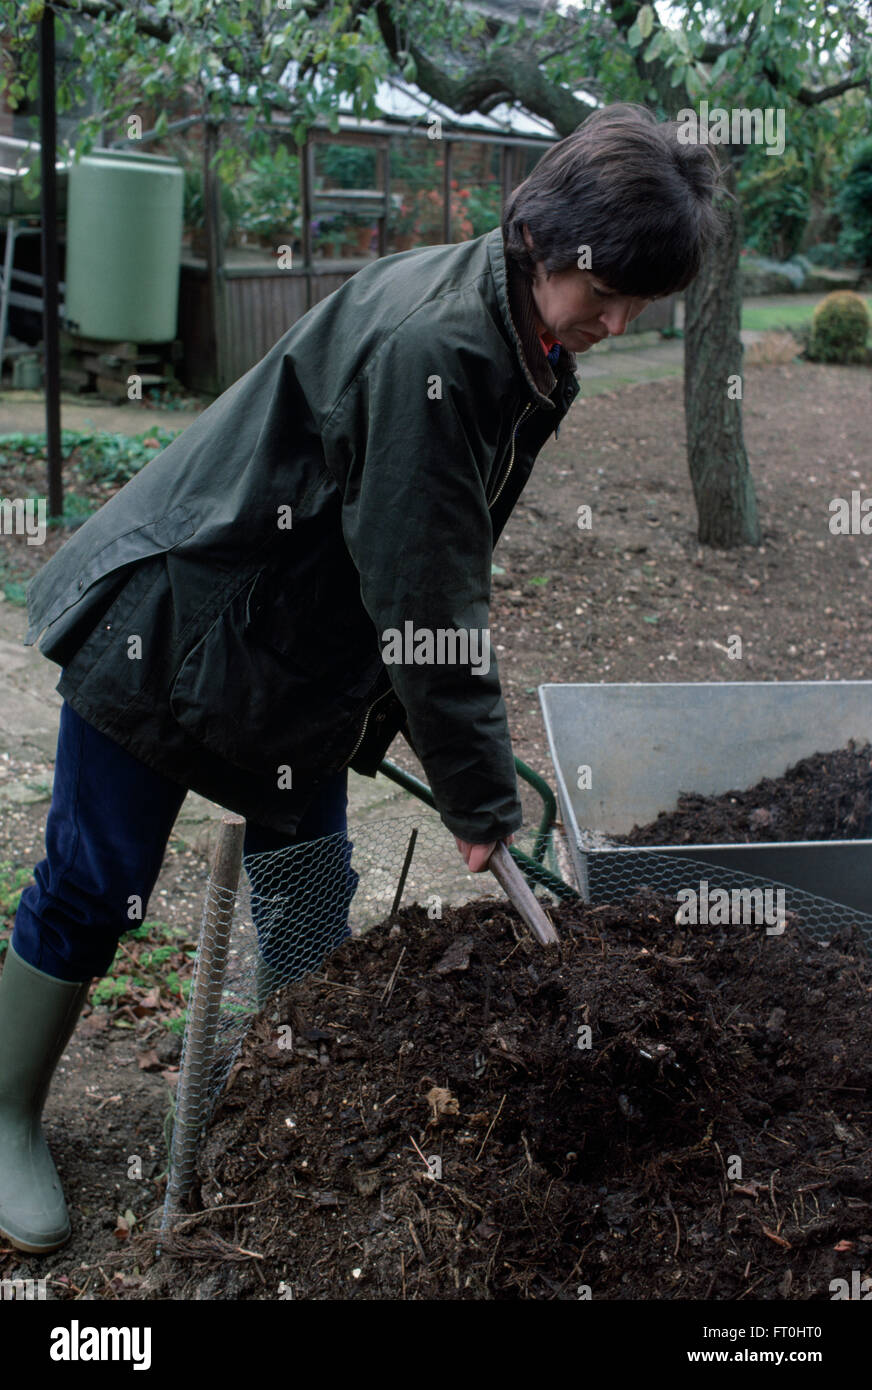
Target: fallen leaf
[94,1022]
[845,1245]
[442,1102]
[148,1004]
[149,1061]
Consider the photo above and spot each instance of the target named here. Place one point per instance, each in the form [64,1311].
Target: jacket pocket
[88,589]
[260,708]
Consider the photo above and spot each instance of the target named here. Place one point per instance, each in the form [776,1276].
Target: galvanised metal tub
[646,742]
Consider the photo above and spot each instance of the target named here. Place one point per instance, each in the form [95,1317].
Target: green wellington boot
[37,1016]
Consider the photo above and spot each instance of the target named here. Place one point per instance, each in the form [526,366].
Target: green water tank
[124,235]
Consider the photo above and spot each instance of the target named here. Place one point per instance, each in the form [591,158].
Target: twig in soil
[334,984]
[418,1246]
[745,1292]
[490,1263]
[80,1293]
[774,1236]
[204,1246]
[490,1127]
[113,1293]
[420,1155]
[513,950]
[107,1100]
[193,1217]
[772,1193]
[677,1228]
[389,987]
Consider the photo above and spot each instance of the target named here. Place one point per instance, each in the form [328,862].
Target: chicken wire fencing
[289,909]
[272,918]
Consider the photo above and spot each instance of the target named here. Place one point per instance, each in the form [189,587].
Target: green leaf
[634,34]
[692,82]
[719,65]
[645,21]
[654,46]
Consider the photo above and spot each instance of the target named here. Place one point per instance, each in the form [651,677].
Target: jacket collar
[516,305]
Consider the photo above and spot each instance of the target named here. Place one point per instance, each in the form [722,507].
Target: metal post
[446,194]
[49,213]
[385,220]
[307,166]
[6,287]
[203,1010]
[215,252]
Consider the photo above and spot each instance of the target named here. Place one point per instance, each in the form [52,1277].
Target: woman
[228,621]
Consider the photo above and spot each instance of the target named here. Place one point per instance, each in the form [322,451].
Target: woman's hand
[477,856]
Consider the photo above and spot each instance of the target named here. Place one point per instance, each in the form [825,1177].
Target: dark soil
[825,797]
[712,1142]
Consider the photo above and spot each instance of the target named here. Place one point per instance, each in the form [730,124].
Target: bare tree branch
[806,97]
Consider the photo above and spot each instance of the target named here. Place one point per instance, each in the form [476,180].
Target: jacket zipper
[492,502]
[365,722]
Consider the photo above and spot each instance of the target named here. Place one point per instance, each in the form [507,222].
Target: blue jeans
[105,837]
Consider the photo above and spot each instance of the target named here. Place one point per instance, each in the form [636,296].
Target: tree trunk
[722,484]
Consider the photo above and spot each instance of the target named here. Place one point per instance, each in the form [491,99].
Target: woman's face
[579,308]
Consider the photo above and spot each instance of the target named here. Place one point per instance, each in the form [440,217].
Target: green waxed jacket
[222,616]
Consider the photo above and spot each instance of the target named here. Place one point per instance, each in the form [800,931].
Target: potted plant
[269,193]
[359,235]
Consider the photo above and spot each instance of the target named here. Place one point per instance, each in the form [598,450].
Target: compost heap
[440,1128]
[827,796]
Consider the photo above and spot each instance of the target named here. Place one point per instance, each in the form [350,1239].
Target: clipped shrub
[840,327]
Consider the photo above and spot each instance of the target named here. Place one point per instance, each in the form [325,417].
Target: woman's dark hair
[623,185]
